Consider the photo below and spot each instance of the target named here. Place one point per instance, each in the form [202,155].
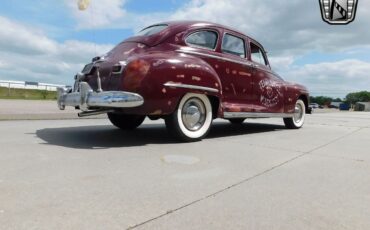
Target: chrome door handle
[252,65]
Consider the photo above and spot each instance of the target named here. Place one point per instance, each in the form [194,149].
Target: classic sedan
[188,73]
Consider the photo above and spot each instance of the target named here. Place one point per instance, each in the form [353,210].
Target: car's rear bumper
[86,98]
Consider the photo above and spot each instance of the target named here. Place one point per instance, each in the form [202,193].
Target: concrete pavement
[85,174]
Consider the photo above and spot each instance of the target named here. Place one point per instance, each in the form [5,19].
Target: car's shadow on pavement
[90,137]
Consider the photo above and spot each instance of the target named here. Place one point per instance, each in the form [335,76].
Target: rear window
[151,30]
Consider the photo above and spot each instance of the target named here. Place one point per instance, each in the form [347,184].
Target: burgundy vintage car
[187,73]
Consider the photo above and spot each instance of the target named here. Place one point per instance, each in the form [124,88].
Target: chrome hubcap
[298,113]
[193,114]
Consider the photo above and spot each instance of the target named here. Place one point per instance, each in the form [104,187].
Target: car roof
[185,25]
[190,24]
[178,26]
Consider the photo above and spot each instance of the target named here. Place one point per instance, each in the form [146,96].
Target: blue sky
[53,39]
[54,17]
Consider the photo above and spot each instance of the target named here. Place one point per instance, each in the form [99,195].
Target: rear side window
[233,45]
[257,55]
[151,30]
[205,39]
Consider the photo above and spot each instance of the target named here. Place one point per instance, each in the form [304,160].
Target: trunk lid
[121,53]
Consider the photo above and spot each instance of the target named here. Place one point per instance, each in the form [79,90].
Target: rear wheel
[192,119]
[237,121]
[298,118]
[126,121]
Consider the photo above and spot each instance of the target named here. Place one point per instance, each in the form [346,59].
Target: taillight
[135,72]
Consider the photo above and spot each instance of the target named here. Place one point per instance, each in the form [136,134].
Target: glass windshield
[151,30]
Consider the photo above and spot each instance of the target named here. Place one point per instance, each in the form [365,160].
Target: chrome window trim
[248,63]
[244,43]
[257,115]
[187,86]
[263,54]
[202,47]
[215,57]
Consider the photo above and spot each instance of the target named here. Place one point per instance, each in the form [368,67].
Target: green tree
[363,96]
[321,100]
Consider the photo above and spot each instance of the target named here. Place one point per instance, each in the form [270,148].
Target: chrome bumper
[86,98]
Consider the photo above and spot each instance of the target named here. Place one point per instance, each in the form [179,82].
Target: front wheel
[192,119]
[126,121]
[298,118]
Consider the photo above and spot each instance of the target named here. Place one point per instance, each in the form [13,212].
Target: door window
[204,39]
[233,45]
[257,55]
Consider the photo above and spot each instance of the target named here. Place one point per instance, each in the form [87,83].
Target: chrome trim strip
[215,57]
[256,115]
[186,86]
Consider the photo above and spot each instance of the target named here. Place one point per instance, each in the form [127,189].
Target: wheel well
[215,102]
[305,100]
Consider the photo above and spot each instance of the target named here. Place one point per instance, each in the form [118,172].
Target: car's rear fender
[163,78]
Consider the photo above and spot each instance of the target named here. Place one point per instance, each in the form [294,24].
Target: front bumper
[86,98]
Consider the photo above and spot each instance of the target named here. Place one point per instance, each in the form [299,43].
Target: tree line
[351,98]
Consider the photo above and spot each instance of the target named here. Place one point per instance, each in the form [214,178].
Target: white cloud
[291,27]
[100,13]
[281,63]
[103,14]
[77,51]
[27,54]
[17,38]
[332,78]
[3,64]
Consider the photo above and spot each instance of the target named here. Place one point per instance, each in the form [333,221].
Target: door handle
[252,65]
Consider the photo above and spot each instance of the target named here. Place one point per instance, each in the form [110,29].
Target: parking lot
[86,174]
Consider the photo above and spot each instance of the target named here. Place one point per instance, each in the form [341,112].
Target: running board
[228,115]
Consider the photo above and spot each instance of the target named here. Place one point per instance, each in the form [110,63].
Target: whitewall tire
[192,119]
[298,118]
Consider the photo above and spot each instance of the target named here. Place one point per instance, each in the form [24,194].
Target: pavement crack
[242,181]
[218,192]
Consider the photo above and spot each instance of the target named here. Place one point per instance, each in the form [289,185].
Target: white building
[362,106]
